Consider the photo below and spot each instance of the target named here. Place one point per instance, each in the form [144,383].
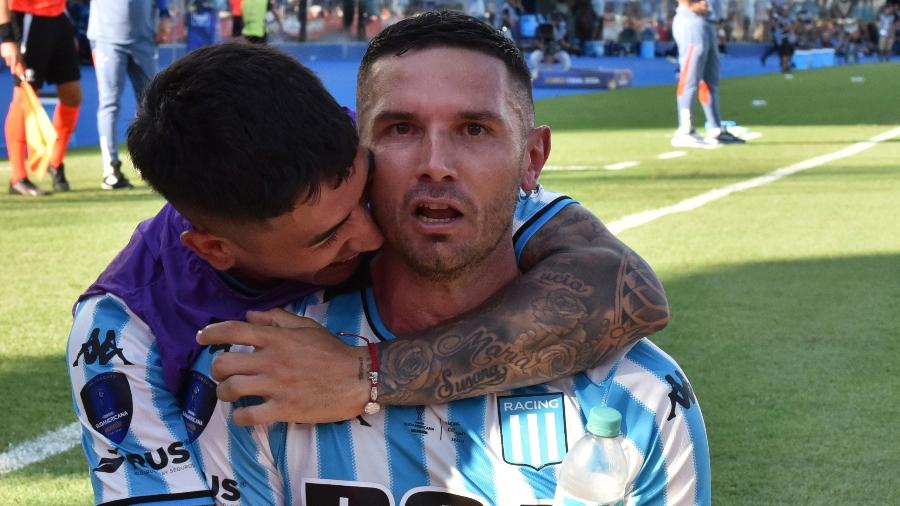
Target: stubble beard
[437,259]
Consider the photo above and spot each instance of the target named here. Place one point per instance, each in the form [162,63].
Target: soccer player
[47,53]
[887,21]
[265,183]
[694,31]
[448,115]
[123,38]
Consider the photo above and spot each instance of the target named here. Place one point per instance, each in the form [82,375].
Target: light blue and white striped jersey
[500,449]
[132,429]
[136,436]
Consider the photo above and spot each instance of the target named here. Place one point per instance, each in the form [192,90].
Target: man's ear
[537,152]
[216,250]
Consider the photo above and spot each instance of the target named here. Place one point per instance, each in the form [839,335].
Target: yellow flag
[39,132]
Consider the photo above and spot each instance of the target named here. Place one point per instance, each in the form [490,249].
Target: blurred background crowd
[851,27]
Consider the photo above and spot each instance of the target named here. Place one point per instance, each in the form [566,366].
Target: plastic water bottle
[595,472]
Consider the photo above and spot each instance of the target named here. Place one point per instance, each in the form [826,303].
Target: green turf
[783,297]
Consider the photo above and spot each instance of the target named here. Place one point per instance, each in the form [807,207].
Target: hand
[303,372]
[164,30]
[11,55]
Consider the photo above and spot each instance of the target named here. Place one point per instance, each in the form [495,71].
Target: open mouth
[434,212]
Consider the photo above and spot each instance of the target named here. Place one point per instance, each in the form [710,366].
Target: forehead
[440,76]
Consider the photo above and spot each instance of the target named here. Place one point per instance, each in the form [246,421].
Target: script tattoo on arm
[583,296]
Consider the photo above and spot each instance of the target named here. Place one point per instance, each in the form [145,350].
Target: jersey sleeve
[533,211]
[239,462]
[663,433]
[132,432]
[664,427]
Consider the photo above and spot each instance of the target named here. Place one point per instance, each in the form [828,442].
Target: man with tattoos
[447,112]
[286,156]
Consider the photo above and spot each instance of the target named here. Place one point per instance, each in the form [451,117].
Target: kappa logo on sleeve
[108,405]
[93,350]
[681,393]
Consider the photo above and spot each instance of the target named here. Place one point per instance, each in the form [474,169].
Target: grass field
[783,296]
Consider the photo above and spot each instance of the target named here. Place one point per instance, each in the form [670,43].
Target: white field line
[751,136]
[60,440]
[621,165]
[638,219]
[572,167]
[672,154]
[40,448]
[612,166]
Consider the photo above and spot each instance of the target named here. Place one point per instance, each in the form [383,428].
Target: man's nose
[438,157]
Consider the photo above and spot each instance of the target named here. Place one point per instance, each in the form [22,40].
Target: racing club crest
[533,429]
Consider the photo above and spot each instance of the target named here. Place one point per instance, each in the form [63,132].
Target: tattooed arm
[584,295]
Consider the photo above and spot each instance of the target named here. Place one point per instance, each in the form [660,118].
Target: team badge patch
[199,403]
[533,429]
[108,405]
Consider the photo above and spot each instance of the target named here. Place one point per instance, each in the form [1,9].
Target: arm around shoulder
[584,295]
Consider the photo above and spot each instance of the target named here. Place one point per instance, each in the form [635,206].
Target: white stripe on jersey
[515,429]
[553,450]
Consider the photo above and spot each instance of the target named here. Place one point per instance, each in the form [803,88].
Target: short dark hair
[240,132]
[446,29]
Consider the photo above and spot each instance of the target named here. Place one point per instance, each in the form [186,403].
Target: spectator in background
[237,18]
[587,22]
[550,46]
[203,22]
[788,37]
[510,13]
[477,10]
[628,38]
[855,44]
[123,38]
[79,13]
[47,53]
[254,19]
[782,24]
[695,33]
[348,8]
[887,23]
[721,36]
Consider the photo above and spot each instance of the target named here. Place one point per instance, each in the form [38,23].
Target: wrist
[8,32]
[367,357]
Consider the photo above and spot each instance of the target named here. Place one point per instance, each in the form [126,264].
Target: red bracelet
[372,406]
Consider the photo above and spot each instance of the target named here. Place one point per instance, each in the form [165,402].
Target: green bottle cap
[604,421]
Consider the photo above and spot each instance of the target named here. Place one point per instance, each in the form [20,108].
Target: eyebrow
[475,115]
[324,235]
[480,115]
[393,116]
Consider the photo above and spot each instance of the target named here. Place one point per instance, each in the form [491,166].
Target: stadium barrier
[804,59]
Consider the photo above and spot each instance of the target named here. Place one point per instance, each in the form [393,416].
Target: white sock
[684,122]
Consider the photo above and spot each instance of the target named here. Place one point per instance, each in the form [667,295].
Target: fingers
[255,415]
[280,318]
[227,365]
[234,332]
[269,412]
[236,387]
